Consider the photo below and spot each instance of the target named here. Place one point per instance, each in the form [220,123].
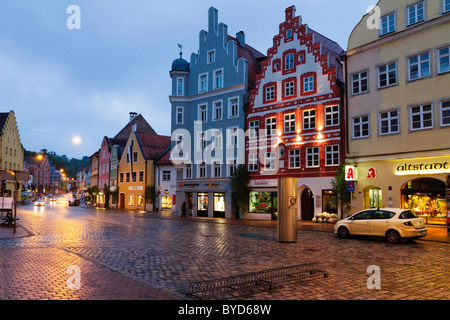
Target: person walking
[183,210]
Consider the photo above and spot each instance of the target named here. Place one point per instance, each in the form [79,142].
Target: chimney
[240,36]
[132,116]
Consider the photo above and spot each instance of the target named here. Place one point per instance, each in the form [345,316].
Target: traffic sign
[351,186]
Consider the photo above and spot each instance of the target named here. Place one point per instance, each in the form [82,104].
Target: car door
[380,222]
[361,223]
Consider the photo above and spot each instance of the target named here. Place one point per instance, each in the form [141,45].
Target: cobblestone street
[137,255]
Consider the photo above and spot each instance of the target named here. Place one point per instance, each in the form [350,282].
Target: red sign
[372,174]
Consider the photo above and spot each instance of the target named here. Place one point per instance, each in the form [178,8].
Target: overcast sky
[84,82]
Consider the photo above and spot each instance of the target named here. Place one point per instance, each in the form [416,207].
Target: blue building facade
[209,98]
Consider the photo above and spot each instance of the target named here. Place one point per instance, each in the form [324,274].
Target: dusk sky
[84,82]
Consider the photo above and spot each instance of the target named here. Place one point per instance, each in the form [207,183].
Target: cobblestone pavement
[137,255]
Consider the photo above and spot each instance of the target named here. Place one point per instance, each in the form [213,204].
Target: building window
[217,112]
[128,177]
[445,113]
[332,155]
[308,84]
[202,141]
[140,200]
[309,119]
[446,6]
[294,159]
[253,162]
[387,75]
[416,13]
[180,87]
[271,126]
[289,61]
[444,59]
[135,156]
[331,116]
[421,117]
[232,138]
[389,122]
[419,66]
[188,172]
[289,34]
[131,200]
[203,83]
[289,88]
[202,170]
[388,23]
[312,157]
[232,165]
[202,113]
[166,175]
[361,127]
[218,79]
[254,129]
[180,115]
[360,83]
[217,139]
[270,93]
[217,170]
[134,176]
[289,123]
[211,56]
[141,176]
[233,108]
[121,177]
[270,163]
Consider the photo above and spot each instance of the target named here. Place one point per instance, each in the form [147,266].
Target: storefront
[263,200]
[418,184]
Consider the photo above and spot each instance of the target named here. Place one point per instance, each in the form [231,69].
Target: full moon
[76,140]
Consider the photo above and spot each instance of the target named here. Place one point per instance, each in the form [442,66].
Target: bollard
[287,210]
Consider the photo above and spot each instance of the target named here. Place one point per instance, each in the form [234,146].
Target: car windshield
[408,214]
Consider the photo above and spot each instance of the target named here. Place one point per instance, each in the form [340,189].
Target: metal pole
[15,200]
[287,210]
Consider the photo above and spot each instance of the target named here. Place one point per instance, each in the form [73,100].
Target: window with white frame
[253,129]
[218,79]
[233,108]
[217,110]
[331,116]
[444,59]
[217,139]
[289,61]
[388,23]
[387,75]
[308,84]
[166,175]
[232,137]
[180,86]
[445,113]
[294,158]
[360,127]
[312,157]
[415,13]
[180,115]
[202,141]
[289,88]
[389,122]
[309,119]
[332,155]
[217,168]
[419,66]
[271,126]
[188,172]
[232,168]
[202,170]
[270,93]
[421,117]
[445,6]
[289,123]
[270,161]
[253,162]
[202,113]
[211,56]
[360,82]
[203,83]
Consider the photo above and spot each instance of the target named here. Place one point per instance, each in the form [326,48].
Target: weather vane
[181,49]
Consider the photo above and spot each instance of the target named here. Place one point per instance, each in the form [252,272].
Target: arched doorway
[426,198]
[307,205]
[122,201]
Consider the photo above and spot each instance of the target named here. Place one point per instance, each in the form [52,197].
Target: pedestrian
[183,210]
[190,209]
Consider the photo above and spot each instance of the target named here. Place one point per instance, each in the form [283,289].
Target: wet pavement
[129,255]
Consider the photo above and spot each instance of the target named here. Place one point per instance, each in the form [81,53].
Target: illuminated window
[131,200]
[140,200]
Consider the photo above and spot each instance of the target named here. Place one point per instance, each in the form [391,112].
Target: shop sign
[423,168]
[136,188]
[350,173]
[372,173]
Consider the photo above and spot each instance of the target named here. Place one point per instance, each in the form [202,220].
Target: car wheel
[393,236]
[343,233]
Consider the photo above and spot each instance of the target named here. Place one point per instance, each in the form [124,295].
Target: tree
[240,187]
[342,196]
[107,193]
[150,194]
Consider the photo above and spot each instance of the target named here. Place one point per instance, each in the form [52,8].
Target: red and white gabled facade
[297,109]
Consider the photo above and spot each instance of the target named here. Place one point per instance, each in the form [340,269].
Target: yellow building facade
[398,107]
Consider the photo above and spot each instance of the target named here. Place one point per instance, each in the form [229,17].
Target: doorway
[307,205]
[122,201]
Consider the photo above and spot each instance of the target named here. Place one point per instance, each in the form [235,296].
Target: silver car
[392,223]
